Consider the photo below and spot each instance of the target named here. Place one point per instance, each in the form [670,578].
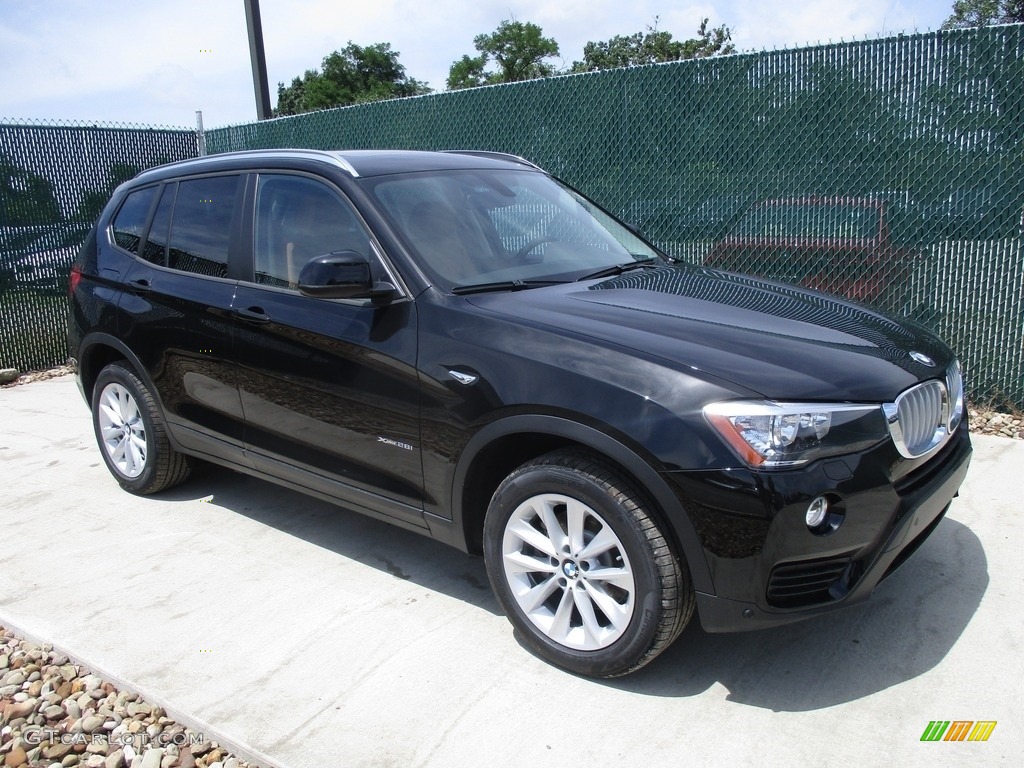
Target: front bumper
[769,569]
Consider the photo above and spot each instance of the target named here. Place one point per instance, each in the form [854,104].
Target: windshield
[471,228]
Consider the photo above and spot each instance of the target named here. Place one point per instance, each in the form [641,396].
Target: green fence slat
[54,178]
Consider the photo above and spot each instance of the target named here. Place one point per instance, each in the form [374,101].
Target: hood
[782,342]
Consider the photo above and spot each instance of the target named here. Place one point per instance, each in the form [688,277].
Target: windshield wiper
[618,269]
[503,285]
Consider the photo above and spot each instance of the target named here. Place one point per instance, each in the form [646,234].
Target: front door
[329,387]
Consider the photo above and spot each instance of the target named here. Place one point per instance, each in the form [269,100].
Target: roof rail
[495,155]
[332,156]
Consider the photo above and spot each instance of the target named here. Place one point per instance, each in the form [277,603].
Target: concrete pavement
[312,636]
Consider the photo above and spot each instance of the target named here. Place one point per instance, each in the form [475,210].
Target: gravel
[989,422]
[54,713]
[14,377]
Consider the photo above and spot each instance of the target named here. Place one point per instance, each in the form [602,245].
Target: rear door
[328,387]
[176,314]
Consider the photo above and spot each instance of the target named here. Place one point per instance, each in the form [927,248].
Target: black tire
[132,435]
[602,601]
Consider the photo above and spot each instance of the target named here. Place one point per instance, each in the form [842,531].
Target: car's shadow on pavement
[906,628]
[402,554]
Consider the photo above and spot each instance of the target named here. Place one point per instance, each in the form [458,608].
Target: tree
[467,72]
[26,198]
[518,49]
[351,75]
[654,46]
[93,200]
[982,13]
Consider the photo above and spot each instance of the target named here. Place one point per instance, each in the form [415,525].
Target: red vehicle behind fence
[840,245]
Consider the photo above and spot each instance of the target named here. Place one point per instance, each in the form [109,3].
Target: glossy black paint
[884,525]
[413,405]
[321,382]
[343,275]
[181,327]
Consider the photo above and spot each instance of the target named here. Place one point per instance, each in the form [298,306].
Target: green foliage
[982,13]
[351,75]
[93,200]
[26,198]
[467,72]
[517,48]
[653,47]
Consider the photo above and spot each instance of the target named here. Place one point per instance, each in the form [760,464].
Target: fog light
[817,512]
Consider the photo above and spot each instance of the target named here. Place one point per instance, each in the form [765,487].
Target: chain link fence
[890,171]
[54,180]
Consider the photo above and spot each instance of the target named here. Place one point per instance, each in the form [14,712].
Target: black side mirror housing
[342,275]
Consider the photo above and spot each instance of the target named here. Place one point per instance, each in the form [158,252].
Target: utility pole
[200,134]
[258,57]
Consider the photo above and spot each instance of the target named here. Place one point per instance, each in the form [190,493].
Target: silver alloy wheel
[122,430]
[568,572]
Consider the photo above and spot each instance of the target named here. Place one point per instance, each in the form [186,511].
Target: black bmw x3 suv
[461,345]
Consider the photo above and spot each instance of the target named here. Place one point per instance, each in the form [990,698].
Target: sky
[155,62]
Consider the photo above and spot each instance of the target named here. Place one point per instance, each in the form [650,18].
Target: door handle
[253,315]
[140,286]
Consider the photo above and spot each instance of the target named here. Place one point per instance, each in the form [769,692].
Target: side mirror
[341,275]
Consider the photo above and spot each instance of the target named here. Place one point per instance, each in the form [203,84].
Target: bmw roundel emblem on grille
[923,359]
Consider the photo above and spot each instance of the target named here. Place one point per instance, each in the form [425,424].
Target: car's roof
[354,162]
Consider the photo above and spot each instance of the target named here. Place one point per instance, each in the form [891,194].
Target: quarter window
[130,221]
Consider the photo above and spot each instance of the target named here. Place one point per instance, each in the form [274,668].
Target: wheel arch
[503,445]
[98,350]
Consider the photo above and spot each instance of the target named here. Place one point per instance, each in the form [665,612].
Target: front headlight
[769,435]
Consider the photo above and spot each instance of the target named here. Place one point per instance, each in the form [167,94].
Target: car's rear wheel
[581,567]
[131,433]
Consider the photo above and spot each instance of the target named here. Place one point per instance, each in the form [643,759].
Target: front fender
[566,431]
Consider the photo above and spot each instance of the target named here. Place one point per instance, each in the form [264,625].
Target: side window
[155,249]
[296,219]
[201,225]
[130,221]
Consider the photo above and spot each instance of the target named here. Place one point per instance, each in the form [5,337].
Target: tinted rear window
[201,226]
[156,244]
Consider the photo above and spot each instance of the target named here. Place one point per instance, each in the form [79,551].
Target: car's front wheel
[580,565]
[131,433]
